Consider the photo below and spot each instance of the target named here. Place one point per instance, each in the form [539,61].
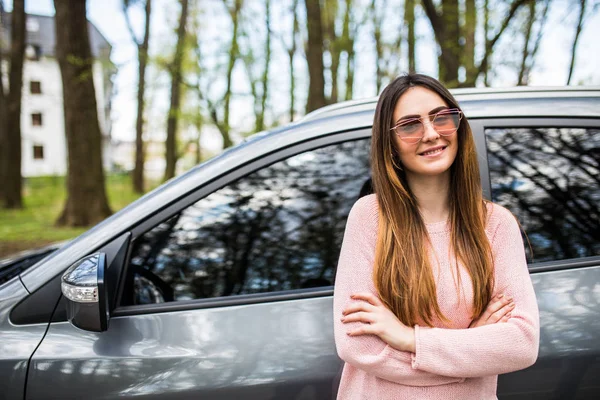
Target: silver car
[218,284]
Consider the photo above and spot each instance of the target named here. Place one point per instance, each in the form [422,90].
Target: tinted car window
[549,178]
[279,228]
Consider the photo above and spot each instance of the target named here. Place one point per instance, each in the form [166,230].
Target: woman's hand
[378,320]
[498,310]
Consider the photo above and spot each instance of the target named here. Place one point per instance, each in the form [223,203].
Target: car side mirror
[84,288]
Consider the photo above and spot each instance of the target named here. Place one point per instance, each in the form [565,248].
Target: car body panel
[17,344]
[280,350]
[569,357]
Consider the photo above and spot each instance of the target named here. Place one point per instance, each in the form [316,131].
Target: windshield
[10,268]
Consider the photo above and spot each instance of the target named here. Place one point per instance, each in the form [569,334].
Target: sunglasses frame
[430,119]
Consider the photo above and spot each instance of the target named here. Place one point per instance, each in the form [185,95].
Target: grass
[44,198]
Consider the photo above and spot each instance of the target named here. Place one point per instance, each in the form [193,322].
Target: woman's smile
[433,152]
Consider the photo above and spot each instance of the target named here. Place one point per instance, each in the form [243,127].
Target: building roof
[40,32]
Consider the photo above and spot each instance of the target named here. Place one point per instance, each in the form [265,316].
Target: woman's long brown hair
[402,273]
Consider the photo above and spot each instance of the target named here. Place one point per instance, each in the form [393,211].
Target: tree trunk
[348,39]
[314,56]
[523,73]
[291,54]
[469,40]
[138,171]
[260,118]
[350,74]
[173,117]
[450,43]
[490,43]
[446,30]
[328,17]
[445,27]
[233,56]
[577,32]
[198,124]
[3,111]
[349,45]
[486,30]
[11,139]
[335,64]
[86,198]
[409,20]
[377,25]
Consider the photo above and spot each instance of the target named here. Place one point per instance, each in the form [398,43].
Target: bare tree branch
[126,5]
[489,45]
[575,40]
[522,79]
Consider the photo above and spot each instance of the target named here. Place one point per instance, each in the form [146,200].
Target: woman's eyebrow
[417,116]
[438,109]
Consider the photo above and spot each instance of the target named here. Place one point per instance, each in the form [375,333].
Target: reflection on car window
[549,178]
[279,228]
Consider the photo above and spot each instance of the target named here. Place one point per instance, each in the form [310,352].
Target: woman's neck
[432,193]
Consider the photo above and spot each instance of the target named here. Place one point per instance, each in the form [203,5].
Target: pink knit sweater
[450,362]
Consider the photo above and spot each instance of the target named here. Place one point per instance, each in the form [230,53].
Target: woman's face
[434,153]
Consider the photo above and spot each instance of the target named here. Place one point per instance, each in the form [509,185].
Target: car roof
[522,101]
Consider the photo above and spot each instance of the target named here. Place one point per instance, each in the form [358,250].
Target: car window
[549,178]
[279,228]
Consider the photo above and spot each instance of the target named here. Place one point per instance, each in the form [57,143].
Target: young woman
[433,298]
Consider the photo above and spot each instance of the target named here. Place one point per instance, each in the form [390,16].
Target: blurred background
[103,100]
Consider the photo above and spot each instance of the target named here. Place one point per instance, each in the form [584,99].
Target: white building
[44,147]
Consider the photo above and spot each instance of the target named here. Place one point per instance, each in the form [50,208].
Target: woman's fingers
[368,297]
[505,318]
[499,314]
[497,310]
[495,305]
[356,307]
[362,330]
[358,317]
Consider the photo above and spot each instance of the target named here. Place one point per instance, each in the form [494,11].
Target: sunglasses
[444,122]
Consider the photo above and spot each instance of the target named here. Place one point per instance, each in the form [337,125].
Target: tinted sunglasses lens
[411,139]
[410,131]
[446,122]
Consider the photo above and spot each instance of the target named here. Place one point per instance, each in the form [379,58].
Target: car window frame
[479,125]
[203,191]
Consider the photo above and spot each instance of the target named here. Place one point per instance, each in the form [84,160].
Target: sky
[550,69]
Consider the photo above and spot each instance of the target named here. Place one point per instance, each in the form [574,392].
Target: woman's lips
[435,152]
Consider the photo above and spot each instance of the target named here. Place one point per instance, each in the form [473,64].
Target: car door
[226,294]
[546,171]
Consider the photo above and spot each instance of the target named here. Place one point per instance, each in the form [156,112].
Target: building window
[32,25]
[35,87]
[38,152]
[36,119]
[33,52]
[548,178]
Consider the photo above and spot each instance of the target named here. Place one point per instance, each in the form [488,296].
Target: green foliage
[43,199]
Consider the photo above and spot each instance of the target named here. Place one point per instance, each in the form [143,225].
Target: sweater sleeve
[491,349]
[354,275]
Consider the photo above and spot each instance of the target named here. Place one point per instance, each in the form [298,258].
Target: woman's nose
[429,132]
